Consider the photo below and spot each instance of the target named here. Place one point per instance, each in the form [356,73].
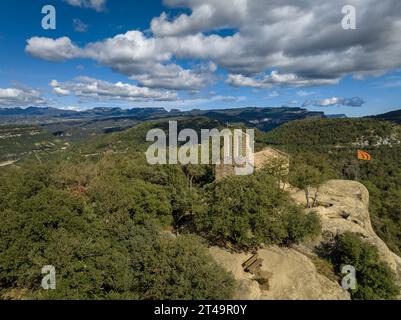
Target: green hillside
[19,141]
[393,116]
[334,132]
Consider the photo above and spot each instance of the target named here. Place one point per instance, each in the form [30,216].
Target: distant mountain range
[45,114]
[262,118]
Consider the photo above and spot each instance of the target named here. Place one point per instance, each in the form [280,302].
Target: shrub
[375,279]
[168,267]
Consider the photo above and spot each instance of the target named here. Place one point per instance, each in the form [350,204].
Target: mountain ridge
[392,116]
[262,118]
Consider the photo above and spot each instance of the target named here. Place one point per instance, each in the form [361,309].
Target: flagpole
[357,171]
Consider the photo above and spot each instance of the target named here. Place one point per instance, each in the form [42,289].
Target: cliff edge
[291,273]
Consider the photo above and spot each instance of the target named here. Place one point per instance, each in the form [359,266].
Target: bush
[139,200]
[168,267]
[375,279]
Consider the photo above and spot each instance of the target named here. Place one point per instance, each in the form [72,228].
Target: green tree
[308,172]
[248,211]
[279,168]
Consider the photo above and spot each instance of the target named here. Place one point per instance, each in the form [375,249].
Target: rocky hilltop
[292,273]
[344,206]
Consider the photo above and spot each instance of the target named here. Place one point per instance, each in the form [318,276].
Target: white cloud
[93,89]
[98,5]
[61,92]
[206,15]
[238,80]
[276,79]
[174,77]
[60,49]
[329,102]
[71,108]
[303,41]
[143,59]
[296,37]
[20,97]
[336,101]
[132,54]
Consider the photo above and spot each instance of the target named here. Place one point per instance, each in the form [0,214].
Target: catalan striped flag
[363,155]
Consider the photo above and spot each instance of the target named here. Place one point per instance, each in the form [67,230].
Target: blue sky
[201,54]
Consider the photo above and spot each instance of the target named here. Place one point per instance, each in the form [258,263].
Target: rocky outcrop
[290,275]
[343,206]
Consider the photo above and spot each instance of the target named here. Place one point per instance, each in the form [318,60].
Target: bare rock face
[344,206]
[290,275]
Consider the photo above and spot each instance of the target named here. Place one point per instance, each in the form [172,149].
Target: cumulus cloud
[175,77]
[276,79]
[301,37]
[336,101]
[132,54]
[301,40]
[60,49]
[144,59]
[20,97]
[98,5]
[206,15]
[93,89]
